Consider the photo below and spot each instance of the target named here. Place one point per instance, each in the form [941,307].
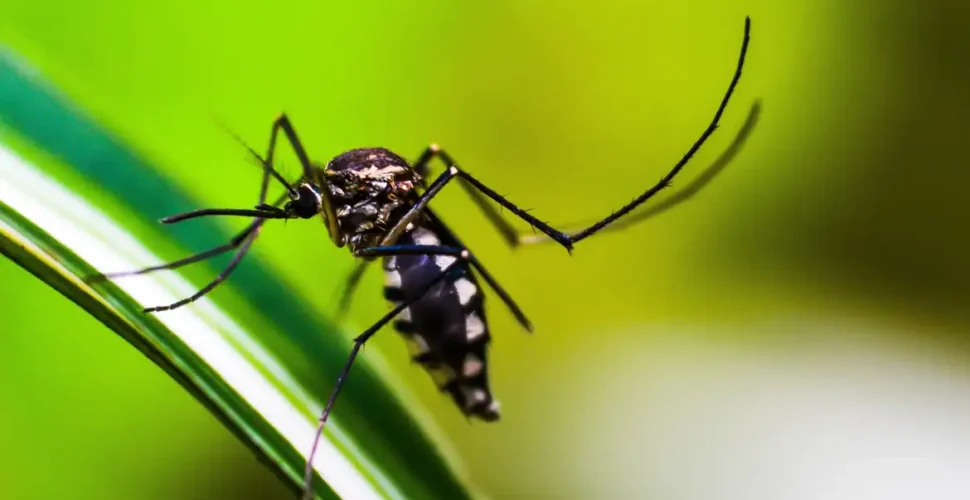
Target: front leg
[282,122]
[508,233]
[476,189]
[682,195]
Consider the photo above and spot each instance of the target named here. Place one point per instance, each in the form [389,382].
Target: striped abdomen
[446,329]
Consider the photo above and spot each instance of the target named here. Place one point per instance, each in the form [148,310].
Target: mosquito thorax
[371,189]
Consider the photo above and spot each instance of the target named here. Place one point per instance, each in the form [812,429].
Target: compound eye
[309,203]
[306,207]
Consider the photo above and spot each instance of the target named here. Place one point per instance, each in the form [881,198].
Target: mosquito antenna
[262,162]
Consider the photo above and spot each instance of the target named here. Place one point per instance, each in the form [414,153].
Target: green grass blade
[34,249]
[264,386]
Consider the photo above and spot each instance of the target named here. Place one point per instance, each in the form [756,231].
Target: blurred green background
[798,330]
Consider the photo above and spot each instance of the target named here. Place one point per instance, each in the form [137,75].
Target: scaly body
[445,328]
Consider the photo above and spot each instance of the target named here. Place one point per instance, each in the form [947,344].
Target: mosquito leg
[566,240]
[684,194]
[502,294]
[508,233]
[410,250]
[242,241]
[442,180]
[233,244]
[264,212]
[309,175]
[422,164]
[245,239]
[459,263]
[449,235]
[246,244]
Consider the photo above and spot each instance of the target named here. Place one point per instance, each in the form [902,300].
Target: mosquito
[375,202]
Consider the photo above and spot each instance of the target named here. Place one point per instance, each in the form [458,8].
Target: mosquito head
[307,202]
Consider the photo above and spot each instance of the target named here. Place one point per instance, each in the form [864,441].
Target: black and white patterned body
[446,329]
